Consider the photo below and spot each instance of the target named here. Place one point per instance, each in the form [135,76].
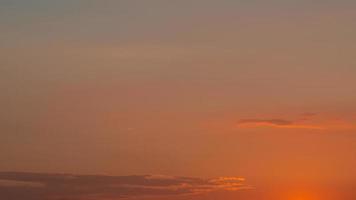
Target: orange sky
[259,90]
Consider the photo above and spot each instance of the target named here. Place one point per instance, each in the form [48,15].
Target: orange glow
[303,196]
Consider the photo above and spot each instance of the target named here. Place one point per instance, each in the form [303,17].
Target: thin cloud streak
[276,123]
[306,120]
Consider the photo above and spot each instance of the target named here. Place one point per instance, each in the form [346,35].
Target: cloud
[276,123]
[307,116]
[305,121]
[12,183]
[40,186]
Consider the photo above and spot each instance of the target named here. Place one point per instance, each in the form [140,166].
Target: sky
[203,99]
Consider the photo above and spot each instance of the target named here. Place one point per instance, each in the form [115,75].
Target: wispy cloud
[38,186]
[276,123]
[15,183]
[307,120]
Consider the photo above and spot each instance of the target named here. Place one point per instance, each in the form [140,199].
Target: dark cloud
[40,186]
[281,123]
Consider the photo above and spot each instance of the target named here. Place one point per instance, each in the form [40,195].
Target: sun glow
[302,196]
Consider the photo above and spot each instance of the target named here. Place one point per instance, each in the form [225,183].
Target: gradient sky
[263,90]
